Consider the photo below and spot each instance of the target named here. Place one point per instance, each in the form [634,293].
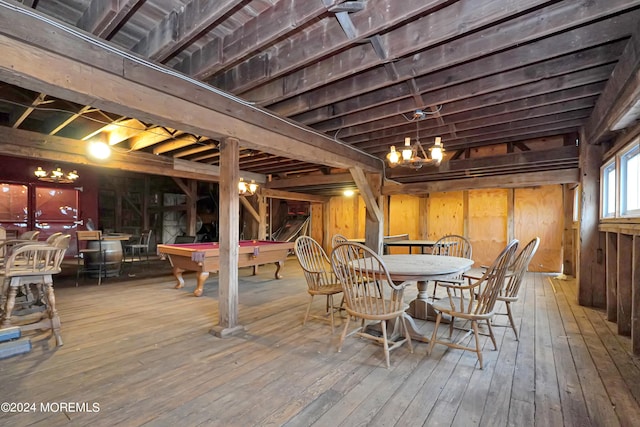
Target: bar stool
[91,257]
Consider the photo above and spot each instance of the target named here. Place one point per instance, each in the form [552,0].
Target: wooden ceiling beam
[102,17]
[21,143]
[514,180]
[275,23]
[290,195]
[310,180]
[539,87]
[493,79]
[394,125]
[621,95]
[411,37]
[310,46]
[480,123]
[133,88]
[351,90]
[180,26]
[510,161]
[38,101]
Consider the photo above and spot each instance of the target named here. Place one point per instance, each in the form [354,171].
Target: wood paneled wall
[445,214]
[487,217]
[539,212]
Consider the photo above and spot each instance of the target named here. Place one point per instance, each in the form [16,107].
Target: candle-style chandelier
[57,176]
[245,189]
[415,156]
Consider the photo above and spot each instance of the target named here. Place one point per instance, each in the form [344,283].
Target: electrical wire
[80,35]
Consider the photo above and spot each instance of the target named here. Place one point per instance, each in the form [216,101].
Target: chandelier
[245,189]
[415,156]
[56,176]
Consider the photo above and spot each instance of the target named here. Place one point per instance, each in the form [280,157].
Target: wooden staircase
[11,343]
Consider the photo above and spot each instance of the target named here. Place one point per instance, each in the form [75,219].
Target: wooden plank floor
[142,351]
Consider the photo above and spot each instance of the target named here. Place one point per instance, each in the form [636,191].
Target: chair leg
[493,338]
[407,334]
[306,316]
[53,314]
[8,310]
[474,326]
[435,333]
[344,333]
[331,310]
[513,325]
[385,343]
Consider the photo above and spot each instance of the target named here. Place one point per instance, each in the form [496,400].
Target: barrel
[112,257]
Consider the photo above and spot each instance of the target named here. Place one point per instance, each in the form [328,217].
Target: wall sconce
[56,176]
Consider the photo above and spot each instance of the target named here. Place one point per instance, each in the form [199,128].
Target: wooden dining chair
[452,245]
[370,295]
[42,262]
[513,282]
[29,235]
[479,306]
[337,239]
[319,276]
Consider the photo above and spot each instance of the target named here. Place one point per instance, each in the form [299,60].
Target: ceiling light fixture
[245,189]
[56,176]
[415,156]
[99,150]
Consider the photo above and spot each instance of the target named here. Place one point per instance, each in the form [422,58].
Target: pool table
[204,258]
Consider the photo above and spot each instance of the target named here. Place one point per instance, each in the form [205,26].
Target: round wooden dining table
[422,269]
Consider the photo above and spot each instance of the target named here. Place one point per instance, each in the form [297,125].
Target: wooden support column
[624,270]
[590,271]
[229,240]
[262,214]
[568,252]
[370,190]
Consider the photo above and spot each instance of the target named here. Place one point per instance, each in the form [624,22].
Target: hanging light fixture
[245,189]
[415,156]
[56,176]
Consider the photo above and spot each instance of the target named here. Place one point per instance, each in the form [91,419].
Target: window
[620,183]
[609,190]
[630,181]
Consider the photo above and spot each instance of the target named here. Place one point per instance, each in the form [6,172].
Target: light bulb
[99,150]
[393,155]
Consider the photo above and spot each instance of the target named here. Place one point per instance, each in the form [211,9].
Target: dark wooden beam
[133,88]
[181,26]
[452,105]
[620,96]
[284,18]
[515,180]
[102,17]
[409,38]
[307,180]
[356,92]
[310,46]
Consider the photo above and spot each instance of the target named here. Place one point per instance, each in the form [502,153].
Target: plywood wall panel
[487,224]
[404,218]
[317,231]
[539,212]
[343,216]
[445,214]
